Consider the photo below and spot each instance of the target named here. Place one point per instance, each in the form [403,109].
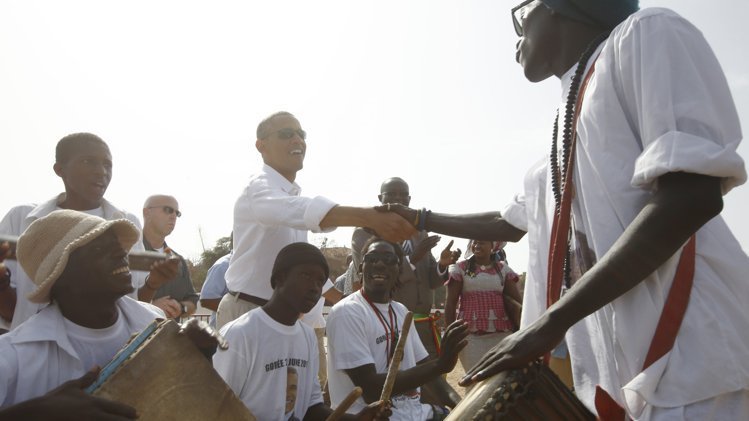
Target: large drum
[164,376]
[531,393]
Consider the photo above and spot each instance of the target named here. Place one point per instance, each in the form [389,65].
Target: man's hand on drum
[516,350]
[70,402]
[453,341]
[202,335]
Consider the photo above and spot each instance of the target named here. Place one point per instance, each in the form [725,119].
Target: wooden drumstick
[345,404]
[387,388]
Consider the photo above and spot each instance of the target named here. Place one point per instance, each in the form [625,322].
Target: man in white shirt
[84,163]
[273,360]
[655,150]
[271,214]
[78,263]
[363,330]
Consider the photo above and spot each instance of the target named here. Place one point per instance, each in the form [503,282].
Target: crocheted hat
[603,13]
[297,254]
[44,248]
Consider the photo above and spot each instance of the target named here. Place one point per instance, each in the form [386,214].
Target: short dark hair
[297,254]
[262,128]
[72,142]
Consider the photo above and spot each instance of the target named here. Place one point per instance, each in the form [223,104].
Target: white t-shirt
[97,346]
[356,337]
[261,362]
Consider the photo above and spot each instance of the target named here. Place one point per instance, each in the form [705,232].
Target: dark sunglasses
[518,15]
[287,134]
[387,258]
[167,210]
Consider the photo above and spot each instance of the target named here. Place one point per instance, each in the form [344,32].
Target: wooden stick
[345,404]
[387,388]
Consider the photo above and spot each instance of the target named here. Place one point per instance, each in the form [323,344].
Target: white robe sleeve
[682,106]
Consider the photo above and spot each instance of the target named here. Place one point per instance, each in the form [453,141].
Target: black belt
[249,298]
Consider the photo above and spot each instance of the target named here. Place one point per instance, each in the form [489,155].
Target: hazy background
[427,90]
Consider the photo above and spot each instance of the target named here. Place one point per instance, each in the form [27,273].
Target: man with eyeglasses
[363,330]
[176,296]
[84,163]
[643,279]
[271,213]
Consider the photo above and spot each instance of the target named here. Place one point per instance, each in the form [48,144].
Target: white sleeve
[273,207]
[515,213]
[678,99]
[348,337]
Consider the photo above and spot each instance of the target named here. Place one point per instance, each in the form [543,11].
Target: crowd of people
[632,272]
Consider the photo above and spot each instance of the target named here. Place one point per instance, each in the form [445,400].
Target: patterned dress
[481,303]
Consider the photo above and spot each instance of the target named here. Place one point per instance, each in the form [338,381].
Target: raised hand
[423,247]
[449,257]
[163,272]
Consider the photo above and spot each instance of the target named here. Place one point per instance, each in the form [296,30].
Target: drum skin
[167,378]
[531,393]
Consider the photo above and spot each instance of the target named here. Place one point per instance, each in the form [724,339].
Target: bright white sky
[427,90]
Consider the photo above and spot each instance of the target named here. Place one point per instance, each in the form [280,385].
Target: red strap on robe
[561,226]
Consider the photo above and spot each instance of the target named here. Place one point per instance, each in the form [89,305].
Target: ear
[379,197]
[57,167]
[260,146]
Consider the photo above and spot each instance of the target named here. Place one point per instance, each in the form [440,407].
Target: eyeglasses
[519,13]
[167,210]
[288,134]
[387,258]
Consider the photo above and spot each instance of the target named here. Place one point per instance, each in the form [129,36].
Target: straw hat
[44,248]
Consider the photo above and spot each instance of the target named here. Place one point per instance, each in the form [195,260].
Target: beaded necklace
[559,175]
[391,328]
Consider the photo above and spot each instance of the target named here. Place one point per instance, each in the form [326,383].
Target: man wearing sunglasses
[644,280]
[84,163]
[176,296]
[271,213]
[363,330]
[419,277]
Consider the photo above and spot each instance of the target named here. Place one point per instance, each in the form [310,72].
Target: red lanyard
[391,335]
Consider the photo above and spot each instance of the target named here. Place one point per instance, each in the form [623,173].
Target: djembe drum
[164,377]
[531,393]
